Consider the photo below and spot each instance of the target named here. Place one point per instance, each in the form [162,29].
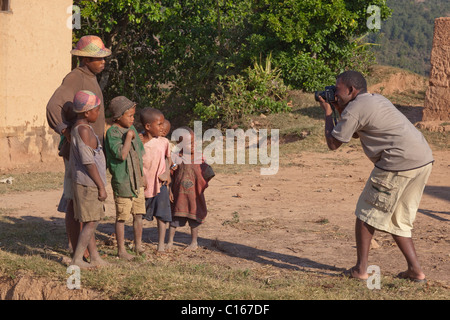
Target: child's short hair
[167,124]
[148,115]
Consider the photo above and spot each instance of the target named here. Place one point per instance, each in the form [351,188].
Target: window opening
[4,5]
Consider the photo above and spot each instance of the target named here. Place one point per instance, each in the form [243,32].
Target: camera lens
[318,94]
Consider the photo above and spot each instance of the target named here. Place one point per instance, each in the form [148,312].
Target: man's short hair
[353,79]
[148,115]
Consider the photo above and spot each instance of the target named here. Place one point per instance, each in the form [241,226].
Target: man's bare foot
[415,277]
[354,273]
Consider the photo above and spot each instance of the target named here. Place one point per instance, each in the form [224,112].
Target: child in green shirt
[124,151]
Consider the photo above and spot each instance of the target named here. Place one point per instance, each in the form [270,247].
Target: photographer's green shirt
[388,138]
[127,175]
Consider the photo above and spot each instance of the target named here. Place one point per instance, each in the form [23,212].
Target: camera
[328,94]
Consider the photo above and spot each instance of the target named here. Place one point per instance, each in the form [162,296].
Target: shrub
[260,89]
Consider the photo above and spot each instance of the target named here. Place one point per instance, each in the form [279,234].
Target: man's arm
[332,142]
[62,101]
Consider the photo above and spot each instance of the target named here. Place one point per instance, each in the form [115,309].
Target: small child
[166,130]
[165,176]
[189,183]
[124,151]
[156,151]
[88,167]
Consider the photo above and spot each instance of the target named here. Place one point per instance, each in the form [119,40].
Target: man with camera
[402,159]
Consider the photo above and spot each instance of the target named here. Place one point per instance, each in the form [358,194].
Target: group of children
[145,181]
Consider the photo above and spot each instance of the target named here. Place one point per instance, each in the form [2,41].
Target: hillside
[406,38]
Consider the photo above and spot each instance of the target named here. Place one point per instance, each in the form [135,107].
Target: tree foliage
[177,54]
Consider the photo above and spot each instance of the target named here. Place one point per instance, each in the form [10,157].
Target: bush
[258,90]
[303,71]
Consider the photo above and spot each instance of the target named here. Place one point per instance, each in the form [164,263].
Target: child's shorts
[127,207]
[181,222]
[159,206]
[86,205]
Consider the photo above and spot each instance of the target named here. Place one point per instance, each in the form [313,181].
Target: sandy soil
[301,218]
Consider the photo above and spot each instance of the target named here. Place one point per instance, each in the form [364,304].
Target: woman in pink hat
[60,114]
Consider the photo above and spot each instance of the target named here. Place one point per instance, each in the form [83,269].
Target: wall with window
[4,5]
[35,45]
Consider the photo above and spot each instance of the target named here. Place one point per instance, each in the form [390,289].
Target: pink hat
[84,101]
[91,46]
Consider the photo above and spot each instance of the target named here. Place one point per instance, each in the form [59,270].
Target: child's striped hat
[84,101]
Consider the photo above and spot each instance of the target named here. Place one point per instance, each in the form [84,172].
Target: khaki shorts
[127,207]
[390,200]
[86,205]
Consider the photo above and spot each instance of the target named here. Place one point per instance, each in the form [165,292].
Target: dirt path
[301,218]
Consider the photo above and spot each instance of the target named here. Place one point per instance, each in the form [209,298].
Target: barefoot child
[156,151]
[165,176]
[88,167]
[189,183]
[124,151]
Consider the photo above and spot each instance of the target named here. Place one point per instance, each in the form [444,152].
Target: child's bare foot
[161,248]
[82,264]
[139,250]
[65,260]
[169,246]
[125,255]
[99,262]
[191,247]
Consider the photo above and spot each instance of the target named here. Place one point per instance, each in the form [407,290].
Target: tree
[178,52]
[128,28]
[312,40]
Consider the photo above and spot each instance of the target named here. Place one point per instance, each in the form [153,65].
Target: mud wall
[437,101]
[35,45]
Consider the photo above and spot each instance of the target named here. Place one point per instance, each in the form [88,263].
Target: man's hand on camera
[332,142]
[325,106]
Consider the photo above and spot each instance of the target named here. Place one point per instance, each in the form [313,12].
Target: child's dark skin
[87,238]
[126,121]
[154,129]
[189,148]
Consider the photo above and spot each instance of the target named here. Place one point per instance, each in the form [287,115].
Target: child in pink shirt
[156,147]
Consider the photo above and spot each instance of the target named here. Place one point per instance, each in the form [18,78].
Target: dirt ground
[301,218]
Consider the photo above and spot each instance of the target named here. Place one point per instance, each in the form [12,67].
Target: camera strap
[334,115]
